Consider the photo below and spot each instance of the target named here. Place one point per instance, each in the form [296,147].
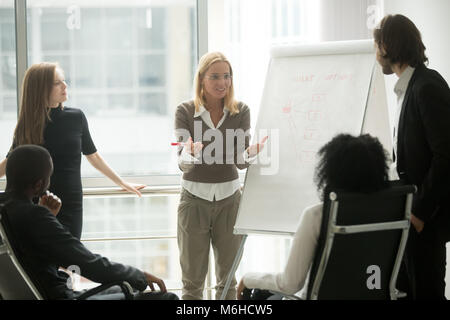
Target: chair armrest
[124,286]
[261,294]
[286,296]
[399,294]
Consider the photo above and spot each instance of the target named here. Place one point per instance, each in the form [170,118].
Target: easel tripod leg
[233,268]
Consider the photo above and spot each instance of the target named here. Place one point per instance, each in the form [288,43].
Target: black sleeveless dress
[66,137]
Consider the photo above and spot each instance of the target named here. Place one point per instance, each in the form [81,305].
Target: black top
[42,245]
[66,136]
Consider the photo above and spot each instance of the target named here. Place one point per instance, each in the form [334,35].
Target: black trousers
[422,274]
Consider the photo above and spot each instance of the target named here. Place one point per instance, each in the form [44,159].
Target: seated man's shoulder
[23,210]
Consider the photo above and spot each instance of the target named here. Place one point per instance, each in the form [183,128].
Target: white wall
[432,19]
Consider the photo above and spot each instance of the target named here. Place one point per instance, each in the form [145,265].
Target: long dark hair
[353,164]
[401,40]
[34,107]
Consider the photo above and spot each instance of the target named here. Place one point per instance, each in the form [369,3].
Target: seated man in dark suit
[43,245]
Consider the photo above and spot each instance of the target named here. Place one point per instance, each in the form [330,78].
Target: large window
[128,65]
[8,96]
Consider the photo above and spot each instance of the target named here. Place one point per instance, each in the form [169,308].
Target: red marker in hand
[194,147]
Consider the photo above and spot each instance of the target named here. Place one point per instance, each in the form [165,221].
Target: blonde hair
[35,101]
[203,66]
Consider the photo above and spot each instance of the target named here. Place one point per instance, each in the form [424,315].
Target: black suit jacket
[423,150]
[43,245]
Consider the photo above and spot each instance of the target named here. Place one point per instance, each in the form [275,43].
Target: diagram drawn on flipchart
[310,95]
[304,117]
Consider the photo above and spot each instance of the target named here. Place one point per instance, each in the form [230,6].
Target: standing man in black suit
[421,153]
[43,244]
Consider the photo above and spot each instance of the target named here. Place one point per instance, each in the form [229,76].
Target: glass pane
[123,218]
[88,72]
[126,217]
[128,65]
[130,217]
[84,40]
[8,93]
[151,70]
[153,103]
[53,23]
[158,257]
[122,76]
[119,28]
[150,21]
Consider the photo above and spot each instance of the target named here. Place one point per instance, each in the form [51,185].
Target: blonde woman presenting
[213,134]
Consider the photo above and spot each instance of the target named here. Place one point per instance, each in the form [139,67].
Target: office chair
[361,245]
[16,284]
[360,248]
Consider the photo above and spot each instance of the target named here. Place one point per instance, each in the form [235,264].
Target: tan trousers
[201,223]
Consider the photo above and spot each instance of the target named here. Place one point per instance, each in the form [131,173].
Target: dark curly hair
[353,164]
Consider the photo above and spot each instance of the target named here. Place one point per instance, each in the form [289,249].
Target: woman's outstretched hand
[133,187]
[193,148]
[255,149]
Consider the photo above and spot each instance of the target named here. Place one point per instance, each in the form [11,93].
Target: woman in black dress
[64,132]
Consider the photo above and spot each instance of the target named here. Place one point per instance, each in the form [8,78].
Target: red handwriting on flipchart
[312,134]
[315,115]
[304,77]
[317,97]
[310,77]
[338,76]
[288,108]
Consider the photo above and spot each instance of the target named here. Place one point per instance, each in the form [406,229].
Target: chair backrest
[15,284]
[361,244]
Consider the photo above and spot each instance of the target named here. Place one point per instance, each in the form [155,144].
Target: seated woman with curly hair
[347,163]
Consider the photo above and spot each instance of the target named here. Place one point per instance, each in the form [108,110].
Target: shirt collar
[202,110]
[403,81]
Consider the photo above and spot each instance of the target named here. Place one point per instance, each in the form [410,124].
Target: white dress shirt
[209,191]
[295,277]
[400,90]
